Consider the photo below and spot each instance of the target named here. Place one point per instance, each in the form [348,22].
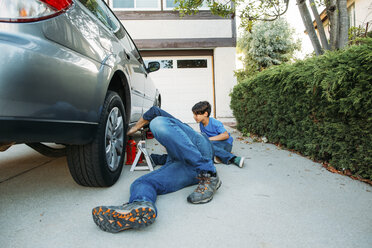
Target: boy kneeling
[218,135]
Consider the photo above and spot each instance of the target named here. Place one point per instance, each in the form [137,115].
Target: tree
[268,44]
[270,10]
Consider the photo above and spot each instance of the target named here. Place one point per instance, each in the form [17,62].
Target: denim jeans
[222,149]
[189,153]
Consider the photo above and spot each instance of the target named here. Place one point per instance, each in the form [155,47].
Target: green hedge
[321,107]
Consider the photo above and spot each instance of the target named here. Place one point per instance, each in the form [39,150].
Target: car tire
[91,165]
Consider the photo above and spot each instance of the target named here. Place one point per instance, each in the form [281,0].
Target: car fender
[117,76]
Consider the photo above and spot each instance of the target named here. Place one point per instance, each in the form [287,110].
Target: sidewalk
[279,200]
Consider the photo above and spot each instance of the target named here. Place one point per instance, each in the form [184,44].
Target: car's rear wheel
[99,163]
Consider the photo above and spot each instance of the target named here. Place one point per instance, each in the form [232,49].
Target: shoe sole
[208,199]
[241,162]
[111,221]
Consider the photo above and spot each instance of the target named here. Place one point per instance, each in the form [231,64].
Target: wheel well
[119,84]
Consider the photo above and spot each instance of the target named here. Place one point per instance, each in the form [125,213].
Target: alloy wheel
[114,138]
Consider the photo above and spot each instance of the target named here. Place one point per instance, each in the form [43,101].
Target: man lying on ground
[189,162]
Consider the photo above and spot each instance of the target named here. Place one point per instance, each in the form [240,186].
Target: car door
[138,78]
[149,93]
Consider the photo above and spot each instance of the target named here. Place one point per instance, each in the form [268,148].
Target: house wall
[224,66]
[163,32]
[361,15]
[363,12]
[178,29]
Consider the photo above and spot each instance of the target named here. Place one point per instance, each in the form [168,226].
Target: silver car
[70,74]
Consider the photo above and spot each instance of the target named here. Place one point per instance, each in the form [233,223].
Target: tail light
[31,10]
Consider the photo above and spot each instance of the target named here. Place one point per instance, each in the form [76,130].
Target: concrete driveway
[279,199]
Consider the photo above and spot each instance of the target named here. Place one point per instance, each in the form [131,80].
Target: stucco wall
[178,29]
[363,12]
[224,66]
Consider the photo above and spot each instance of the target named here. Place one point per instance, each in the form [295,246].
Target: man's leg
[148,116]
[194,149]
[173,176]
[183,143]
[141,210]
[159,159]
[155,112]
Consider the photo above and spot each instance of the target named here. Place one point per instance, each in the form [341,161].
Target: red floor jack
[141,152]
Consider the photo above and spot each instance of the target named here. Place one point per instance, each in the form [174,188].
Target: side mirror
[153,66]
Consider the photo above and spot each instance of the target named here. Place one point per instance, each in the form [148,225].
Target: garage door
[182,82]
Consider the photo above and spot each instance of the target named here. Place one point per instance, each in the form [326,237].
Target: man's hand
[140,123]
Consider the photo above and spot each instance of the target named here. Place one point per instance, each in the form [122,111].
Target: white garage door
[182,82]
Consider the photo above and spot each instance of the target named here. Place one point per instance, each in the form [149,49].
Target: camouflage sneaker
[239,161]
[205,190]
[119,218]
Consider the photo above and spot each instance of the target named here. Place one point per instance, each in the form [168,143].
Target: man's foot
[130,215]
[239,161]
[208,185]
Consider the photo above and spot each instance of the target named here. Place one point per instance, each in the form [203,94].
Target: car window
[99,9]
[133,48]
[105,15]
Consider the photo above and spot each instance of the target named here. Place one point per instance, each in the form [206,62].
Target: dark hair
[202,107]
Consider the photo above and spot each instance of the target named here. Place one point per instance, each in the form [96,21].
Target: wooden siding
[148,44]
[164,15]
[170,53]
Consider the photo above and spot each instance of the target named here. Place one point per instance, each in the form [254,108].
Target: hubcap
[114,138]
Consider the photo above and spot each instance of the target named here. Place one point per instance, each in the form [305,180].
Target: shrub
[321,107]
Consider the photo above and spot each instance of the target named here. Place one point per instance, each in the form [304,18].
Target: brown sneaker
[128,216]
[208,185]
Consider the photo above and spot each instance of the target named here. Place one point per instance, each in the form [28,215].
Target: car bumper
[29,131]
[48,93]
[47,81]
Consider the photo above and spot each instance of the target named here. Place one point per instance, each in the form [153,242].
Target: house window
[192,63]
[164,64]
[136,4]
[351,14]
[170,4]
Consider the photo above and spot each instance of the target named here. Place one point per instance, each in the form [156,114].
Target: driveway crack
[24,172]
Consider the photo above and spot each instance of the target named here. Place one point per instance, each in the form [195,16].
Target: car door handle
[138,92]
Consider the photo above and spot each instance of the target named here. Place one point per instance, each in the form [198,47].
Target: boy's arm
[221,136]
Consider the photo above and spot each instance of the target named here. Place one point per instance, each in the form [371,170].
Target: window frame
[351,15]
[172,8]
[192,67]
[134,8]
